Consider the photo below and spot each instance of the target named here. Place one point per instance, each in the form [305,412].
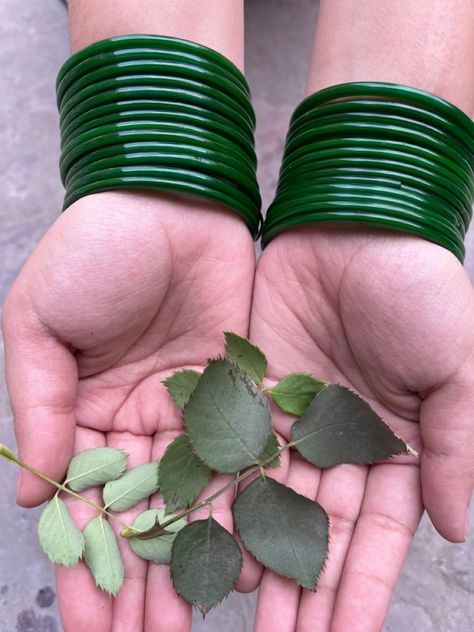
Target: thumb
[41,377]
[447,462]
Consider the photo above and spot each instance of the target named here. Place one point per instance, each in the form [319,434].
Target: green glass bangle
[174,83]
[148,172]
[395,92]
[125,56]
[407,198]
[143,70]
[391,178]
[153,93]
[384,132]
[413,154]
[379,220]
[421,206]
[381,107]
[127,117]
[170,138]
[186,187]
[391,122]
[116,44]
[210,167]
[372,161]
[168,108]
[111,134]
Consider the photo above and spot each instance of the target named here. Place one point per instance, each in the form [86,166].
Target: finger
[251,568]
[82,605]
[278,598]
[391,511]
[447,462]
[129,604]
[165,610]
[340,493]
[42,379]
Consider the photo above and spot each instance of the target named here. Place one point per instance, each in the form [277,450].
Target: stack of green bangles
[386,154]
[152,112]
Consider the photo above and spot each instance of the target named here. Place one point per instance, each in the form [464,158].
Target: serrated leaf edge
[323,566]
[75,478]
[204,611]
[55,561]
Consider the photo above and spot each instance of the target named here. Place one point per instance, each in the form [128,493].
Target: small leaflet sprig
[228,429]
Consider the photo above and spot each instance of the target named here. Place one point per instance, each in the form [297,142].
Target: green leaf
[227,418]
[183,475]
[102,555]
[61,540]
[246,356]
[285,531]
[136,484]
[340,427]
[205,563]
[95,467]
[294,393]
[181,384]
[272,448]
[157,549]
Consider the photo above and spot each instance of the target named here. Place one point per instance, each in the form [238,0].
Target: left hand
[392,317]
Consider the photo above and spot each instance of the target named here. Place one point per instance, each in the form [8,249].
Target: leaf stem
[158,530]
[8,454]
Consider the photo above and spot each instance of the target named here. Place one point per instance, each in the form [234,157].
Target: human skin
[389,315]
[124,289]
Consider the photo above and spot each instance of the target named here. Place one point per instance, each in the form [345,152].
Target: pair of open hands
[126,288]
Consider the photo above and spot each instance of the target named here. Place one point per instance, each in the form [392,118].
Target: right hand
[123,290]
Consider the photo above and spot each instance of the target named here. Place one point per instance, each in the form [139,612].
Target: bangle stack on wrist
[152,112]
[386,154]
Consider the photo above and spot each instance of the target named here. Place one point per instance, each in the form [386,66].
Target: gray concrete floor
[435,591]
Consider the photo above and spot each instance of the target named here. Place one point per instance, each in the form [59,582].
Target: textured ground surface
[435,591]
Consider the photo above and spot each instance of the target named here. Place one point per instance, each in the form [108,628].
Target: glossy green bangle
[385,132]
[140,72]
[154,42]
[215,168]
[366,108]
[185,187]
[409,199]
[133,55]
[394,179]
[173,96]
[391,91]
[167,137]
[359,214]
[149,132]
[170,110]
[176,84]
[378,153]
[122,119]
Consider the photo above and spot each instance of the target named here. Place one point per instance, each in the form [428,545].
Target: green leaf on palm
[181,384]
[227,418]
[135,485]
[205,563]
[96,466]
[340,427]
[246,356]
[155,549]
[102,555]
[285,531]
[183,475]
[272,450]
[61,540]
[295,392]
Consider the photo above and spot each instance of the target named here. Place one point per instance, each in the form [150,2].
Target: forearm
[218,24]
[427,44]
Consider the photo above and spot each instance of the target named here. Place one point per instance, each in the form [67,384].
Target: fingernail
[19,484]
[466,524]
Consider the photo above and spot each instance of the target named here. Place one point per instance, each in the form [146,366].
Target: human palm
[391,317]
[123,290]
